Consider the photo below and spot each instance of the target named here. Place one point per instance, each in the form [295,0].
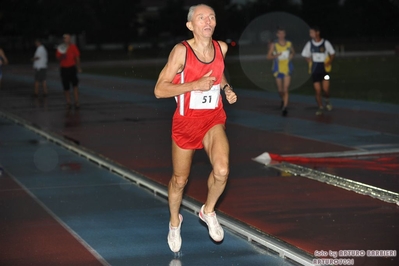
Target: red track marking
[29,235]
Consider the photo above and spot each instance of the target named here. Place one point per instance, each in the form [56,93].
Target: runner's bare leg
[217,147]
[181,160]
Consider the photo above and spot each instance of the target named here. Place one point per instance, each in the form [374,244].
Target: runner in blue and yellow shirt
[281,52]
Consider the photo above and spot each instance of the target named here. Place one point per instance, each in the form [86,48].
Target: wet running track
[87,187]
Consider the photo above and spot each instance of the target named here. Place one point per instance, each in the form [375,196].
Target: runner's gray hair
[192,9]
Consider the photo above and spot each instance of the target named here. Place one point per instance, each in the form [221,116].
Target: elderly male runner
[194,76]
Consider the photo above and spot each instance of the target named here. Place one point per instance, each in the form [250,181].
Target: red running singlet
[198,111]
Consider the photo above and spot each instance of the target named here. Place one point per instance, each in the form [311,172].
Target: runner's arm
[231,96]
[270,54]
[331,58]
[164,88]
[77,60]
[3,55]
[330,51]
[224,49]
[306,52]
[292,53]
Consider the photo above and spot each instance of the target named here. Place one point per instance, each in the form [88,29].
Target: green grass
[368,78]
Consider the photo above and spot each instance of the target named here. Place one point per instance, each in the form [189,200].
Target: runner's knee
[221,171]
[179,182]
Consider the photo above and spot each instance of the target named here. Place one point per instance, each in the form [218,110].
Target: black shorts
[69,76]
[319,77]
[40,74]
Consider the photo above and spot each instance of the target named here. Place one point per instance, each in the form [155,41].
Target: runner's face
[281,35]
[203,22]
[67,39]
[312,34]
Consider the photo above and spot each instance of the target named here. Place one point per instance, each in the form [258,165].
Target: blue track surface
[123,223]
[331,133]
[126,224]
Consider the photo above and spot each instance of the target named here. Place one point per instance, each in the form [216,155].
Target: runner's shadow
[175,262]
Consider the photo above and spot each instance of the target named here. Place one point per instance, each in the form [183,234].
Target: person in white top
[319,53]
[40,66]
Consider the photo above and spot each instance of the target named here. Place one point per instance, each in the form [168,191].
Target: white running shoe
[329,106]
[215,230]
[174,238]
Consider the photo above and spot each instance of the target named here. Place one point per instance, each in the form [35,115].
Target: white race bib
[205,99]
[284,55]
[318,57]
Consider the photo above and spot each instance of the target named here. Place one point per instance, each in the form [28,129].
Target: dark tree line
[122,20]
[100,19]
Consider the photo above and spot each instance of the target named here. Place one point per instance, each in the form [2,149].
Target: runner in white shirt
[319,53]
[40,65]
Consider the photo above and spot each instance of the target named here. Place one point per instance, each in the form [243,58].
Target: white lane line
[64,225]
[351,153]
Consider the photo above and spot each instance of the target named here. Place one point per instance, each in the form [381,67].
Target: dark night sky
[122,21]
